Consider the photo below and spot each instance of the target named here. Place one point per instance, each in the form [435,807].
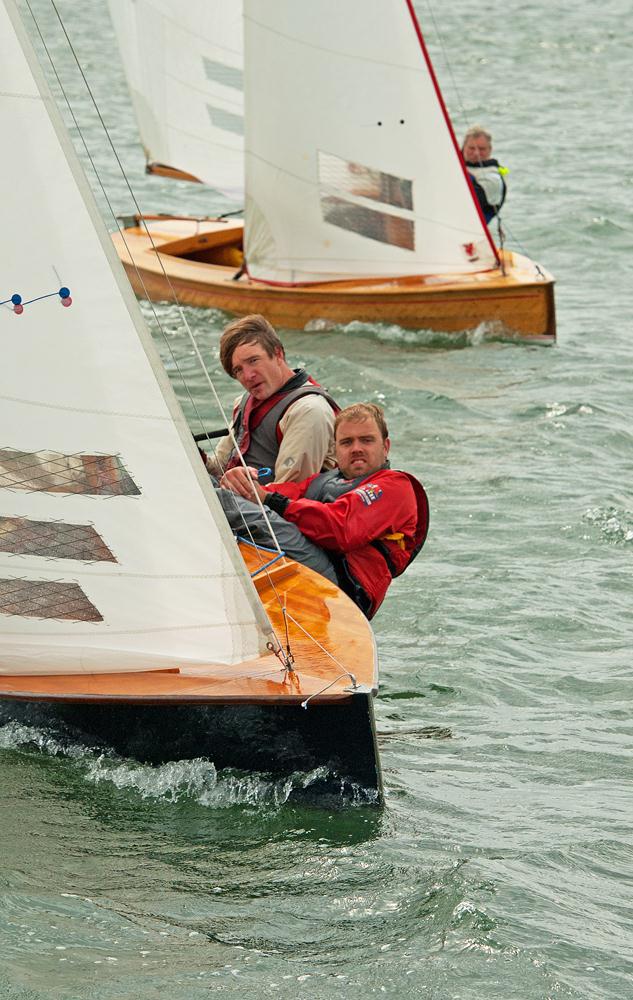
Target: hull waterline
[196,262]
[253,716]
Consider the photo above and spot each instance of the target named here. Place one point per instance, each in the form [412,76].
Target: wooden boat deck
[197,260]
[321,621]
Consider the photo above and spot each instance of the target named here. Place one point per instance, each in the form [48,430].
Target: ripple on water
[395,335]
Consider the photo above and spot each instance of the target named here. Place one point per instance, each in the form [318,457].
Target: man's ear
[387,446]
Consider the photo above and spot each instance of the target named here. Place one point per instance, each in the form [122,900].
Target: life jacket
[326,488]
[386,545]
[489,184]
[256,422]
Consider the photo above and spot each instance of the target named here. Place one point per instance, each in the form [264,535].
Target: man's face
[260,374]
[360,449]
[477,148]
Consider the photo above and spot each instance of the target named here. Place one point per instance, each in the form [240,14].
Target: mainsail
[114,553]
[352,169]
[183,64]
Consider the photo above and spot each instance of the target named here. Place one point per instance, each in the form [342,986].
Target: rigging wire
[447,63]
[462,113]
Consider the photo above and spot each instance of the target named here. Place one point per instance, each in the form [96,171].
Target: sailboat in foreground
[357,205]
[126,606]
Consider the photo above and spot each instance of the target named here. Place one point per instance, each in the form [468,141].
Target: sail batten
[108,524]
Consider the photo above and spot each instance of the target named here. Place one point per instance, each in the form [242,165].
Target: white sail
[351,164]
[183,64]
[114,553]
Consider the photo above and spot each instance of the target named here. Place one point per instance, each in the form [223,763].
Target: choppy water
[502,865]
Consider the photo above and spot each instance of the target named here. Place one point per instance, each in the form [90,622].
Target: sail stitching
[84,409]
[353,56]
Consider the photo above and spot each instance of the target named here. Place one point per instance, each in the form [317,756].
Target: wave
[196,780]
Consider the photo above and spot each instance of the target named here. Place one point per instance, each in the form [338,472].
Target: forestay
[114,553]
[183,64]
[352,169]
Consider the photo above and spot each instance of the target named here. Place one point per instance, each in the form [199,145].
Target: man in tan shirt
[284,421]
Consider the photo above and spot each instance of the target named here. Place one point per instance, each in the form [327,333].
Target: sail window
[346,177]
[344,185]
[226,120]
[53,540]
[367,222]
[52,472]
[46,599]
[227,76]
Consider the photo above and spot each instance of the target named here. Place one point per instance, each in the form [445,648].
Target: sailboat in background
[357,206]
[125,603]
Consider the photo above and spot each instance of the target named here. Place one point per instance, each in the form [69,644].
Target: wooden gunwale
[163,170]
[522,298]
[322,610]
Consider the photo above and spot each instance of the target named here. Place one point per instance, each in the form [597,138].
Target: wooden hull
[334,744]
[249,715]
[195,261]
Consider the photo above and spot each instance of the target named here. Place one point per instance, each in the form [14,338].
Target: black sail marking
[53,472]
[53,540]
[61,600]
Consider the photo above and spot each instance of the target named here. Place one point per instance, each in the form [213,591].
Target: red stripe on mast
[449,125]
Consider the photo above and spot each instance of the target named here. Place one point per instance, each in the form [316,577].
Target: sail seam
[333,52]
[85,409]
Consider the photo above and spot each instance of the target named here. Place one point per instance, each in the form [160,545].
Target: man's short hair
[363,411]
[475,131]
[253,329]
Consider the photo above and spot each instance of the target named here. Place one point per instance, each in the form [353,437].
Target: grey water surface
[501,866]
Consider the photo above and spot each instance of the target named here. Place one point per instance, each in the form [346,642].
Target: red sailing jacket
[358,526]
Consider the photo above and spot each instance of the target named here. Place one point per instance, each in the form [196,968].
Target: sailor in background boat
[360,525]
[486,175]
[285,419]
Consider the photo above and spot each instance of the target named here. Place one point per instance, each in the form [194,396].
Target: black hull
[276,739]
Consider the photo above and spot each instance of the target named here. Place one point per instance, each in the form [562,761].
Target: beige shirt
[307,445]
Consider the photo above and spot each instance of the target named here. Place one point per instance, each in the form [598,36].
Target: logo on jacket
[369,493]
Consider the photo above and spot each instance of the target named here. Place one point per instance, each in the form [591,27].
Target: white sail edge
[184,70]
[362,118]
[263,630]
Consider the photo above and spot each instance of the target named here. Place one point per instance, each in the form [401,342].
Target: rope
[346,672]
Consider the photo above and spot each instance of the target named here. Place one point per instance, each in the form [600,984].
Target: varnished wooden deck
[328,636]
[522,298]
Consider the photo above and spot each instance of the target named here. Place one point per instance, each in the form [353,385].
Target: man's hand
[239,481]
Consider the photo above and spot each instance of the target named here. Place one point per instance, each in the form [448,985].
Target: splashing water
[197,780]
[615,525]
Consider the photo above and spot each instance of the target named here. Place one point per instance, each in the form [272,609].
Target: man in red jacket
[359,525]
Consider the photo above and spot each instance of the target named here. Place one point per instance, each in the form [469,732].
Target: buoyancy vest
[256,424]
[488,178]
[326,488]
